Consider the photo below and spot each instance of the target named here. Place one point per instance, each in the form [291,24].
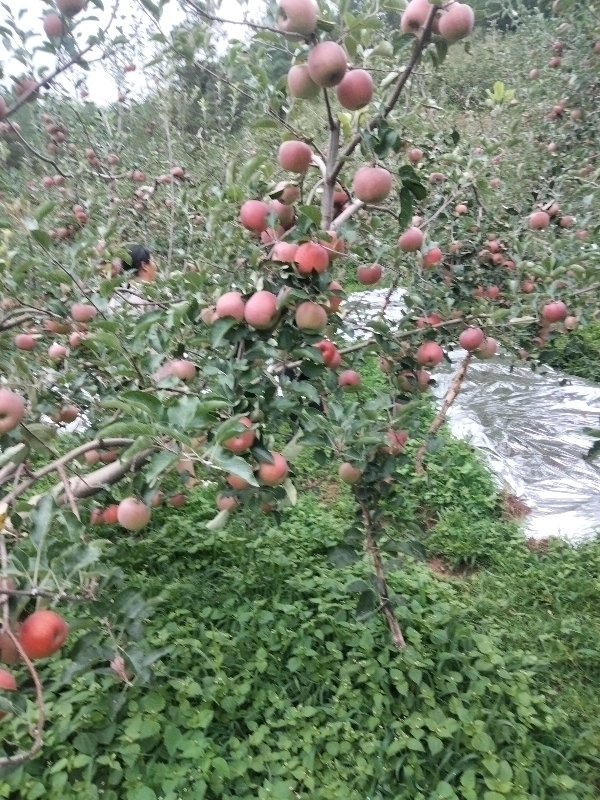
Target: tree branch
[371,545]
[332,152]
[59,70]
[253,25]
[450,397]
[24,755]
[347,213]
[419,46]
[60,462]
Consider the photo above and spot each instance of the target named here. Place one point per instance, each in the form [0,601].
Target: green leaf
[108,339]
[141,792]
[127,428]
[342,556]
[234,464]
[155,11]
[159,463]
[220,329]
[252,166]
[39,436]
[144,401]
[290,491]
[15,455]
[406,207]
[435,745]
[42,238]
[312,212]
[366,606]
[483,742]
[172,736]
[41,517]
[45,209]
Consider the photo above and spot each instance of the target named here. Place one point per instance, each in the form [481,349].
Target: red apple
[24,341]
[429,354]
[471,338]
[456,22]
[372,184]
[369,275]
[555,311]
[411,240]
[253,215]
[349,473]
[349,379]
[300,84]
[133,514]
[12,410]
[7,683]
[311,256]
[261,310]
[327,64]
[297,16]
[43,633]
[231,304]
[295,156]
[432,256]
[241,442]
[311,317]
[355,89]
[275,473]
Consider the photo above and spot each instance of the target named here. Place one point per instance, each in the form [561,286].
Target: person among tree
[142,268]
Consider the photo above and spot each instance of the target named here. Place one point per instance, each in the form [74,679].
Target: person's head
[141,263]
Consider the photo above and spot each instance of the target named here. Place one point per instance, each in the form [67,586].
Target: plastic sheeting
[529,425]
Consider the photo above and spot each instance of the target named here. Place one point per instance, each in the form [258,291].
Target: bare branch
[450,397]
[373,550]
[7,323]
[347,213]
[253,25]
[93,482]
[59,462]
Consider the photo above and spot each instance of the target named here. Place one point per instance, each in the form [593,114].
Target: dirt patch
[329,490]
[443,570]
[537,545]
[513,508]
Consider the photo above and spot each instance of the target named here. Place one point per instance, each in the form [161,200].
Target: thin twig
[65,480]
[56,596]
[41,157]
[25,755]
[7,323]
[253,25]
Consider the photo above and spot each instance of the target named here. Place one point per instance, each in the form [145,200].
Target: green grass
[578,353]
[275,679]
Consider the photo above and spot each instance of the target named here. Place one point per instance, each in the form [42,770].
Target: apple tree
[244,352]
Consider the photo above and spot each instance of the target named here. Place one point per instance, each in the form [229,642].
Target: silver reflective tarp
[528,424]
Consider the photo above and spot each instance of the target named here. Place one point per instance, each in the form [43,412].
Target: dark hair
[139,255]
